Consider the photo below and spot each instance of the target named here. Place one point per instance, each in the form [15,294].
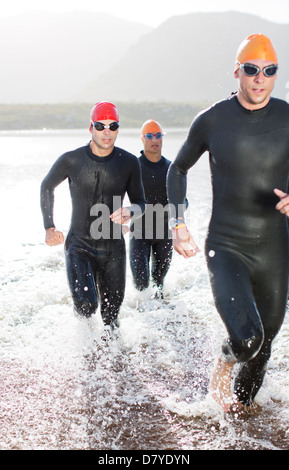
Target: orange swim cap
[150,126]
[256,46]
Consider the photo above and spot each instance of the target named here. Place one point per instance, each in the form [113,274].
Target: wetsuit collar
[255,111]
[147,162]
[96,158]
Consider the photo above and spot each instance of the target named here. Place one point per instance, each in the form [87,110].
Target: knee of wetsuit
[243,350]
[86,309]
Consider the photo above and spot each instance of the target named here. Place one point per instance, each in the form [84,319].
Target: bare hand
[184,243]
[121,216]
[54,237]
[283,205]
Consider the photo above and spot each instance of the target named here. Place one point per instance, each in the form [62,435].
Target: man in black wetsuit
[99,176]
[247,137]
[150,236]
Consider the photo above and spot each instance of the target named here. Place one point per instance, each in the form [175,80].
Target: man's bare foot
[220,385]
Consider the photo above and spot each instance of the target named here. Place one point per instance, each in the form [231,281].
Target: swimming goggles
[151,135]
[99,126]
[252,70]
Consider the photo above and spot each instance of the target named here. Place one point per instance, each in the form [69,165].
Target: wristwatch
[173,223]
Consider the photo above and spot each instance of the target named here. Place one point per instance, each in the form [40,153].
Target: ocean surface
[61,386]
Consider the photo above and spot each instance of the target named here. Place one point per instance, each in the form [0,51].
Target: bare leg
[220,385]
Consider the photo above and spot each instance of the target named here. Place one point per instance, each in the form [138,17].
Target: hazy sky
[153,12]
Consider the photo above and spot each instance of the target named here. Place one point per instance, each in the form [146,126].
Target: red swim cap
[103,111]
[256,46]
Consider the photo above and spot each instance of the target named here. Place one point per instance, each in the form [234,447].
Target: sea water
[61,386]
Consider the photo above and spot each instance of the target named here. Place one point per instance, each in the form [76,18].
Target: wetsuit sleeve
[194,146]
[135,191]
[57,174]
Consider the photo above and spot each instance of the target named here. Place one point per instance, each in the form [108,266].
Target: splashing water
[63,387]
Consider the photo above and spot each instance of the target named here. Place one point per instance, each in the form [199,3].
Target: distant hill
[48,58]
[85,57]
[189,58]
[14,117]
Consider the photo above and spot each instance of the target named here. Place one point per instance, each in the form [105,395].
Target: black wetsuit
[247,242]
[150,237]
[95,248]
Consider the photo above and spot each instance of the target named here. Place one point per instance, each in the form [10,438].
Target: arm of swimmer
[54,237]
[55,176]
[122,215]
[283,205]
[184,243]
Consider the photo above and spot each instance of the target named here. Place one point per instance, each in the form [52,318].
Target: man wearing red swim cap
[246,137]
[99,176]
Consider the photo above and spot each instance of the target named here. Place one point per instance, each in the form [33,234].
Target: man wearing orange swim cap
[247,248]
[99,175]
[256,68]
[151,243]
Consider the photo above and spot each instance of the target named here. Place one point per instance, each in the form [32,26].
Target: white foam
[57,374]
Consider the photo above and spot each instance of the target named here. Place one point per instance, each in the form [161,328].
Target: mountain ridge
[197,59]
[47,57]
[86,57]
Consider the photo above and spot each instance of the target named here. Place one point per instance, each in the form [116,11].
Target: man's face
[104,140]
[153,145]
[254,92]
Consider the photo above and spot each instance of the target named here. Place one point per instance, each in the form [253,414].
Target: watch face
[173,223]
